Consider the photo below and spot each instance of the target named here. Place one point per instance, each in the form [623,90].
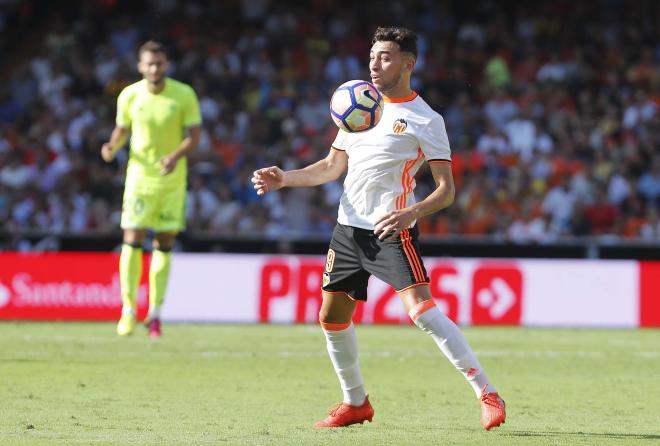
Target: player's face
[387,65]
[153,66]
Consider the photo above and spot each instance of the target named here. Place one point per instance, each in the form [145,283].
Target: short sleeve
[341,140]
[192,116]
[434,142]
[123,109]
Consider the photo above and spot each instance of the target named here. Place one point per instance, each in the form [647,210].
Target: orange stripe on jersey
[401,199]
[407,180]
[334,327]
[411,178]
[439,161]
[409,249]
[408,98]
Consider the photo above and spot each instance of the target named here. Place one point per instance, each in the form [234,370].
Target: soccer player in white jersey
[376,232]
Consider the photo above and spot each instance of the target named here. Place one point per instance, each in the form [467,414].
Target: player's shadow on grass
[581,434]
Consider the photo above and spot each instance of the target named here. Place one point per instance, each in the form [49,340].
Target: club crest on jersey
[399,126]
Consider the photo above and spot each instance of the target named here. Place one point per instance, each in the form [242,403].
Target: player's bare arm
[392,223]
[117,141]
[168,162]
[328,169]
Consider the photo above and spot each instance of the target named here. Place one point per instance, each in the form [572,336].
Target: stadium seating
[551,109]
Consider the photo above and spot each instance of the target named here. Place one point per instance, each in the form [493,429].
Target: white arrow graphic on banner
[498,298]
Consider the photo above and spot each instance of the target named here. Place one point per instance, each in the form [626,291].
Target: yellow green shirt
[158,124]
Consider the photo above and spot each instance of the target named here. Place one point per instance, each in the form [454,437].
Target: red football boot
[493,412]
[154,329]
[344,414]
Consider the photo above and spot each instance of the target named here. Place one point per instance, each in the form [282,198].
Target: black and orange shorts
[355,254]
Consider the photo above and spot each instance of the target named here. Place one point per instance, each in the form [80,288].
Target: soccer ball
[356,106]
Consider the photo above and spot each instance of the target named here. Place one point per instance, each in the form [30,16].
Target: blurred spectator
[649,184]
[527,227]
[500,109]
[602,215]
[492,141]
[312,113]
[579,224]
[521,132]
[650,230]
[16,174]
[559,203]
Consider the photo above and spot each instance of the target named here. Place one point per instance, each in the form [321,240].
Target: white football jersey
[383,161]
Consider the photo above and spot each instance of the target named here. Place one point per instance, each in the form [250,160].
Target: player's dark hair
[405,38]
[152,46]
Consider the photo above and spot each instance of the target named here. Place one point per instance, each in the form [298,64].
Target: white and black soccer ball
[356,106]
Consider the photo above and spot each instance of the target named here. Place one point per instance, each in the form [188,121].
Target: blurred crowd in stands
[551,109]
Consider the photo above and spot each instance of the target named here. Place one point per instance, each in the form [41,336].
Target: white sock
[452,343]
[154,313]
[342,348]
[127,309]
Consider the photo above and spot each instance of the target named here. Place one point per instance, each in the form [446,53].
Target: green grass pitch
[80,384]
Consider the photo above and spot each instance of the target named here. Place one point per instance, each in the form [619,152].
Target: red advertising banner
[66,286]
[649,290]
[496,292]
[287,289]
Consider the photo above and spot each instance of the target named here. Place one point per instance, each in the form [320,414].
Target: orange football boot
[493,412]
[344,414]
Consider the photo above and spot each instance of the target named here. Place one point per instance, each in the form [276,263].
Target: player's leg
[398,262]
[159,273]
[168,222]
[137,214]
[335,317]
[344,280]
[130,271]
[336,320]
[427,316]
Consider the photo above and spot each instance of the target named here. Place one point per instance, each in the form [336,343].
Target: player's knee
[163,243]
[323,316]
[336,309]
[334,317]
[133,237]
[326,317]
[165,247]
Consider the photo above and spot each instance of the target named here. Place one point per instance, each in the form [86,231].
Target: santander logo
[5,295]
[497,295]
[32,293]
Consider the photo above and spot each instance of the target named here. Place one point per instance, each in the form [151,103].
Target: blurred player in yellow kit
[164,119]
